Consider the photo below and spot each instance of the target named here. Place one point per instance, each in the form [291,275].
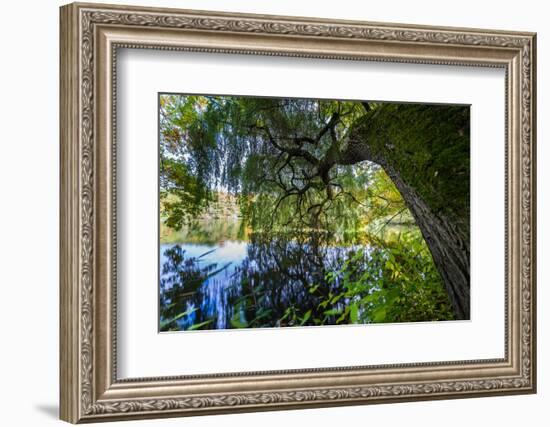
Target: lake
[214,303]
[260,281]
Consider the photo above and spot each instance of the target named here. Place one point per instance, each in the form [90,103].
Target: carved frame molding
[90,36]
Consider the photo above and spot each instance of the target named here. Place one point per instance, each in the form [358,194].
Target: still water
[257,281]
[215,287]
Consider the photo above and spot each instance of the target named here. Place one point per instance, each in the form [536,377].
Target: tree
[307,160]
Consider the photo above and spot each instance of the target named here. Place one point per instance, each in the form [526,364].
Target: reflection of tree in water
[182,291]
[293,280]
[282,282]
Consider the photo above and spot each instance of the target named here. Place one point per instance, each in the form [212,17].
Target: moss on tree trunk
[429,165]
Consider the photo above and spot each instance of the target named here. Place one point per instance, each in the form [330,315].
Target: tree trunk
[447,243]
[447,240]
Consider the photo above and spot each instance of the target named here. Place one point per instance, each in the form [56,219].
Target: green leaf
[199,325]
[306,317]
[336,298]
[165,323]
[379,315]
[354,313]
[312,289]
[343,316]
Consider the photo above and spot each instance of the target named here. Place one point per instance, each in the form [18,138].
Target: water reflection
[268,281]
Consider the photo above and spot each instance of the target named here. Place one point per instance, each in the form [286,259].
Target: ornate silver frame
[90,35]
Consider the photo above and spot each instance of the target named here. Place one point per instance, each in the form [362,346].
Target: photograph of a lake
[280,212]
[278,273]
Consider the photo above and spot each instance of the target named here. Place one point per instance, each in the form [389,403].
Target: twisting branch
[298,184]
[292,151]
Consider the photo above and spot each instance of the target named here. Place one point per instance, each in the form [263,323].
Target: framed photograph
[266,212]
